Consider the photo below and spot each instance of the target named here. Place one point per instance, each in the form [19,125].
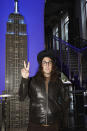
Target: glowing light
[21,21]
[10,20]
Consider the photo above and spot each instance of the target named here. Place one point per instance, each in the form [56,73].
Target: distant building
[16,50]
[16,112]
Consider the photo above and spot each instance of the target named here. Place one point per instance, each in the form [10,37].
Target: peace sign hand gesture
[25,70]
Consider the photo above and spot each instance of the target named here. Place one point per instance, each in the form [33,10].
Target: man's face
[47,65]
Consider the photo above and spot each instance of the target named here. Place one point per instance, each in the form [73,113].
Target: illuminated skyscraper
[16,49]
[16,53]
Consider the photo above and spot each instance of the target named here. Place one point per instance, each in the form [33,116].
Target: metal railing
[71,57]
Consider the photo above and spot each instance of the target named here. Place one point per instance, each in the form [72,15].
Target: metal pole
[80,68]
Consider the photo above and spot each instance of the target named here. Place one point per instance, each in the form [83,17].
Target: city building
[15,113]
[16,49]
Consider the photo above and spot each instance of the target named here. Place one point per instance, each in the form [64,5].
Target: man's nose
[47,63]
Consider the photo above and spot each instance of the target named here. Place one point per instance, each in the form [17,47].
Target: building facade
[16,50]
[16,112]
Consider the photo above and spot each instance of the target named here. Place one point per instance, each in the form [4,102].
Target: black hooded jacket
[45,107]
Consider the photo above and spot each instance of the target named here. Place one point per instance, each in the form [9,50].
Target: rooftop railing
[71,57]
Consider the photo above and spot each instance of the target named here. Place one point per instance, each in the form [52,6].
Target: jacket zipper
[46,104]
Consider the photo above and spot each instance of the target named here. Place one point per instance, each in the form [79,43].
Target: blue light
[67,44]
[21,21]
[10,33]
[20,33]
[10,20]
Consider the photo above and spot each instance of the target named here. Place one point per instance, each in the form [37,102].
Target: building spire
[16,6]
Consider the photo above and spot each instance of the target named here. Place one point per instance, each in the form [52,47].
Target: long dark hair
[55,73]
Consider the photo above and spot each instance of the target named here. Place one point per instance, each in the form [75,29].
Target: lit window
[10,33]
[20,33]
[67,19]
[21,21]
[10,20]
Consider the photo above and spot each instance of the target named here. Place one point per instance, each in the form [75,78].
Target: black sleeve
[65,102]
[64,95]
[23,89]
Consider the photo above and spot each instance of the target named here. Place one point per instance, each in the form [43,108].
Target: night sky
[33,12]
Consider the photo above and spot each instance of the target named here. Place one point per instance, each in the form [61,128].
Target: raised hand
[25,70]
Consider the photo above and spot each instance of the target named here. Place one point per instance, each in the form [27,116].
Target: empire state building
[16,49]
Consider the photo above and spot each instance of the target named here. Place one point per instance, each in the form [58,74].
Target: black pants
[34,127]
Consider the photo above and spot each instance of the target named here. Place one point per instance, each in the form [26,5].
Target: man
[48,98]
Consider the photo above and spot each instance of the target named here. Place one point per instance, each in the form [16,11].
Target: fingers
[26,66]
